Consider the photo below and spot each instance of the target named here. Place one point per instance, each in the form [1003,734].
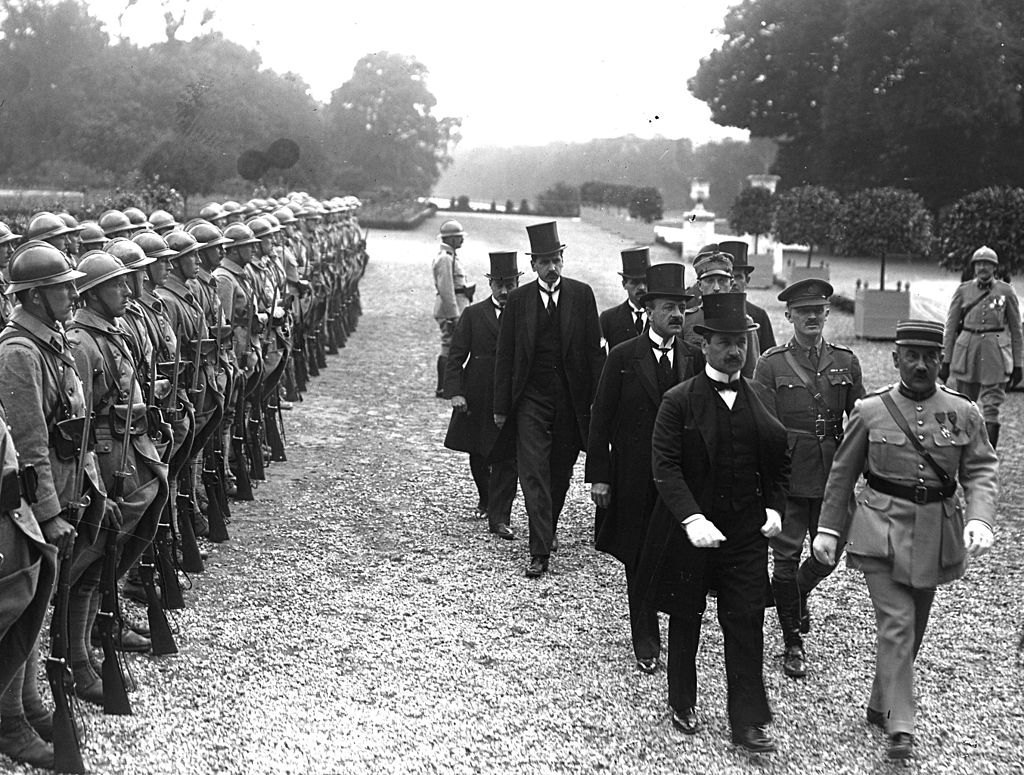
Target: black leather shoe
[504,531]
[133,590]
[794,663]
[754,739]
[647,665]
[88,686]
[877,718]
[686,721]
[901,746]
[131,641]
[537,567]
[21,742]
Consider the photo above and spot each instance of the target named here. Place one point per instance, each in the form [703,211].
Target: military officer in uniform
[814,383]
[741,272]
[982,342]
[469,385]
[453,295]
[626,320]
[913,441]
[635,377]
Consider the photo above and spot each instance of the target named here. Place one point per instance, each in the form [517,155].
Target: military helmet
[261,227]
[231,207]
[207,235]
[182,243]
[96,267]
[129,252]
[295,207]
[451,228]
[285,216]
[92,234]
[115,222]
[239,234]
[6,235]
[250,208]
[272,220]
[153,244]
[212,212]
[161,219]
[137,217]
[37,264]
[70,221]
[312,212]
[46,225]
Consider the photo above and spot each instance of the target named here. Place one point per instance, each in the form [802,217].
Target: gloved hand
[944,372]
[702,533]
[978,537]
[772,524]
[1015,377]
[824,548]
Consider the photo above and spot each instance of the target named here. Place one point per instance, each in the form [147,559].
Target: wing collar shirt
[666,347]
[727,395]
[546,291]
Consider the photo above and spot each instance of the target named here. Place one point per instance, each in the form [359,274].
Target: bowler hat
[544,239]
[635,262]
[985,253]
[810,292]
[503,265]
[738,251]
[666,281]
[919,333]
[725,313]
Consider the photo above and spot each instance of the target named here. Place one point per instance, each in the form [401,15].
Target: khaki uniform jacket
[989,346]
[924,543]
[448,278]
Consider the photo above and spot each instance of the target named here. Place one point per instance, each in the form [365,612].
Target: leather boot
[442,361]
[21,742]
[88,685]
[993,433]
[787,603]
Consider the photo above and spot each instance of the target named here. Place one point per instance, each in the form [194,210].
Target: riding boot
[787,603]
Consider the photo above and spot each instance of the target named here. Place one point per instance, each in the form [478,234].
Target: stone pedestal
[698,230]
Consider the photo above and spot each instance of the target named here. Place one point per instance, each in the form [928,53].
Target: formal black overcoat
[683,445]
[582,353]
[765,334]
[619,449]
[618,324]
[470,373]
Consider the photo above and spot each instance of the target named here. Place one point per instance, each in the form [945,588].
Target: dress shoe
[21,742]
[647,665]
[901,746]
[537,567]
[754,738]
[686,721]
[504,531]
[794,663]
[877,718]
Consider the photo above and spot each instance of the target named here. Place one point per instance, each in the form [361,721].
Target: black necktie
[812,355]
[639,321]
[720,386]
[551,298]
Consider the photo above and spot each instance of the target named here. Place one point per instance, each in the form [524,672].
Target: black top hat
[809,292]
[725,313]
[635,262]
[666,281]
[544,239]
[738,251]
[503,265]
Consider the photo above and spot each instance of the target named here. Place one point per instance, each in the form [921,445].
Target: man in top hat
[721,465]
[913,441]
[714,275]
[626,320]
[548,364]
[814,383]
[453,295]
[635,377]
[982,342]
[741,271]
[469,385]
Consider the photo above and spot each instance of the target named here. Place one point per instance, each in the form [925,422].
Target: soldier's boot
[442,362]
[20,742]
[993,432]
[787,604]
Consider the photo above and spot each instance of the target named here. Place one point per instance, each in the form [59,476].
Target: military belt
[919,494]
[984,330]
[823,429]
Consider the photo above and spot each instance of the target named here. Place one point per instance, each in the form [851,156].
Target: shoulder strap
[812,387]
[972,305]
[902,422]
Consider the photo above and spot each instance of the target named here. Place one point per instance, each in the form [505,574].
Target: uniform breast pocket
[789,393]
[948,448]
[840,377]
[886,451]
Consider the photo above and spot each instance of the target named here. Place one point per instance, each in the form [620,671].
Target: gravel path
[362,620]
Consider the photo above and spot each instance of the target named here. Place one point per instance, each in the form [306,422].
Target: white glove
[978,537]
[772,524]
[702,533]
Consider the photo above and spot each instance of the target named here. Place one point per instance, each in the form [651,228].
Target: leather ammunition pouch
[10,491]
[66,438]
[135,415]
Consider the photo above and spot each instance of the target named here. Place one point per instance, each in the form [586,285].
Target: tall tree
[751,212]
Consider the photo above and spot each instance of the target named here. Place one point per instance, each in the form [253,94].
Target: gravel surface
[362,619]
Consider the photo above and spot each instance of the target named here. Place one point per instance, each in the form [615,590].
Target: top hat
[810,292]
[738,251]
[725,313]
[713,262]
[635,262]
[985,253]
[503,265]
[666,281]
[919,333]
[544,239]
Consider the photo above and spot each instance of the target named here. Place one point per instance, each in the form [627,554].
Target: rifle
[274,424]
[191,559]
[254,434]
[212,484]
[159,629]
[67,748]
[243,484]
[171,596]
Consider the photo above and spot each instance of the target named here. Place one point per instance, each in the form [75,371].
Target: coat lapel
[703,411]
[565,315]
[643,364]
[530,311]
[826,358]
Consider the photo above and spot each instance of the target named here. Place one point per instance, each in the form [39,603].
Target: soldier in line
[814,383]
[8,243]
[914,442]
[453,295]
[982,345]
[626,320]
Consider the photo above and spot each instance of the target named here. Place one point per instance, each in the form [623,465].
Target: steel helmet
[295,207]
[114,222]
[182,243]
[231,207]
[452,228]
[312,212]
[207,235]
[92,234]
[285,216]
[129,252]
[137,218]
[212,212]
[46,225]
[250,208]
[261,227]
[70,221]
[37,264]
[153,244]
[161,219]
[96,267]
[239,234]
[6,235]
[272,220]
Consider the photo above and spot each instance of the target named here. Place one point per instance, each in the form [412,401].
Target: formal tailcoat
[989,345]
[582,353]
[923,543]
[684,444]
[469,372]
[618,324]
[619,448]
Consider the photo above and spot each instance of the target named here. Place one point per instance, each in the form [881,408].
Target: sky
[517,72]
